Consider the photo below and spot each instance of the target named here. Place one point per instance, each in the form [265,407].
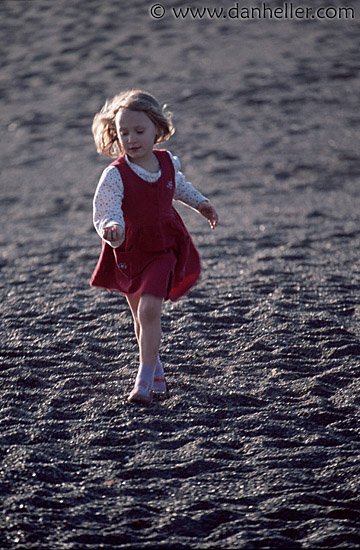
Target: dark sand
[258,446]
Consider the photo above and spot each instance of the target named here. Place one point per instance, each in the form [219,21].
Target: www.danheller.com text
[262,11]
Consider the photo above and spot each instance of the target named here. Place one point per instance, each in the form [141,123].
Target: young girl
[147,253]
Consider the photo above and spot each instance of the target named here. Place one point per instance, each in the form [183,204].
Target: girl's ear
[158,134]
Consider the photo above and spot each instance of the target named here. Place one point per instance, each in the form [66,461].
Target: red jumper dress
[158,256]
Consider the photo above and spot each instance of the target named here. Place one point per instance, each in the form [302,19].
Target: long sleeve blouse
[108,198]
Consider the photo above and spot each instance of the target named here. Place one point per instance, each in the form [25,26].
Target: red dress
[158,256]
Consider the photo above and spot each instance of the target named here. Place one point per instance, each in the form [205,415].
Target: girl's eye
[140,131]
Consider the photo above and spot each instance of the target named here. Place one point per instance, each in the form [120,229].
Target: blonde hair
[104,126]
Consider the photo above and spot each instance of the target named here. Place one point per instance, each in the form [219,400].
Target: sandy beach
[258,445]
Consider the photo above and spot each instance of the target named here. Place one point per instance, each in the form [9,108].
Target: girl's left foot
[160,386]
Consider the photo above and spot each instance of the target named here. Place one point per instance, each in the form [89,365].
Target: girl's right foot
[141,393]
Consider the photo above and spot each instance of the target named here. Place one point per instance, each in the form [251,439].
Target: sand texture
[258,445]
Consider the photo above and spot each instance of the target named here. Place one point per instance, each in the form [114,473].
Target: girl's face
[137,134]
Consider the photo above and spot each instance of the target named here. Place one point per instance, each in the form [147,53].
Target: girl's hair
[104,127]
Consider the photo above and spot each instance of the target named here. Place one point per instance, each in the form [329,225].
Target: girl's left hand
[208,211]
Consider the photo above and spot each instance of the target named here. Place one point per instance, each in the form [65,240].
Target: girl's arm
[190,196]
[107,207]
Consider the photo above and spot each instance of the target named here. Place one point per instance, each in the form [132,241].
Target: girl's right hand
[113,234]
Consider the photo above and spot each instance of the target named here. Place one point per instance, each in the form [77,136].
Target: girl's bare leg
[149,315]
[146,311]
[133,302]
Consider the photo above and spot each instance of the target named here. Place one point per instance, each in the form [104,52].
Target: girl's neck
[150,164]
